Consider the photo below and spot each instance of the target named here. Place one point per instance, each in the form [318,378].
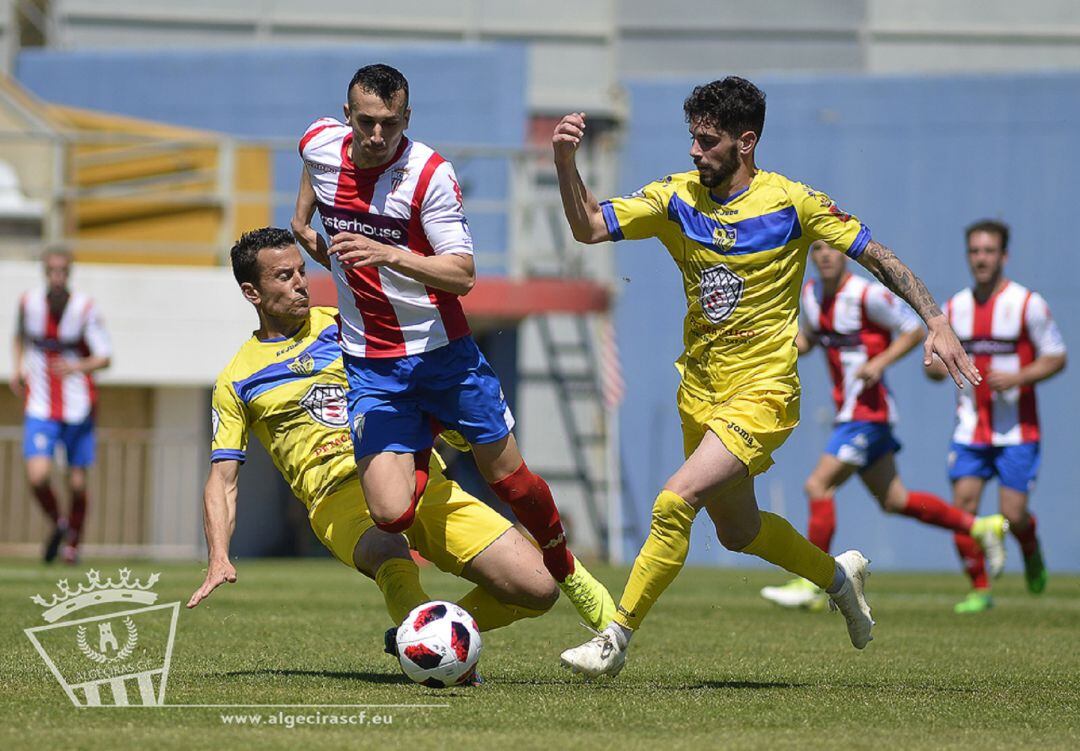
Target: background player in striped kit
[864,329]
[60,341]
[1009,332]
[401,255]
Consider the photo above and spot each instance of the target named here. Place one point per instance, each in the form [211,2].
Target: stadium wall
[917,159]
[472,95]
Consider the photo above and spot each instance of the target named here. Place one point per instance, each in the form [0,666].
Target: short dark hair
[992,226]
[732,105]
[381,80]
[245,253]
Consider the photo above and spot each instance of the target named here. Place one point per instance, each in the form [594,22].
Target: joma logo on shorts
[741,432]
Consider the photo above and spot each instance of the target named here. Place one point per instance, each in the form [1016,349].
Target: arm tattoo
[891,271]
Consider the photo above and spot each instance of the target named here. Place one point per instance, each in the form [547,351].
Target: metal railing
[142,490]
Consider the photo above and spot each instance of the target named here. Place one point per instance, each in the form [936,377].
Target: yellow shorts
[752,423]
[451,526]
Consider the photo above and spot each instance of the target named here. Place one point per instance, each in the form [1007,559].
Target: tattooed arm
[941,339]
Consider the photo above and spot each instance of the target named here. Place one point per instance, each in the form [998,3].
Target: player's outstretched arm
[219,521]
[309,239]
[579,204]
[941,339]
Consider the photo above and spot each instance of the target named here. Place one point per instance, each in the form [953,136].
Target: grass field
[716,666]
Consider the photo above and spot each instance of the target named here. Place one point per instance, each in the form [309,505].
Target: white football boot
[797,593]
[600,655]
[850,600]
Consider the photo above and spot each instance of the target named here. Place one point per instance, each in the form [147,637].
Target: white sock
[839,577]
[621,634]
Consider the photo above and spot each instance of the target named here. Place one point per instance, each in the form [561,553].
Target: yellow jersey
[289,392]
[742,261]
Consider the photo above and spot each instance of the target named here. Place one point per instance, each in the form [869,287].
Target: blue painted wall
[917,159]
[461,95]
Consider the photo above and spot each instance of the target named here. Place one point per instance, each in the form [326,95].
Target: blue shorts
[1015,466]
[393,399]
[40,437]
[862,443]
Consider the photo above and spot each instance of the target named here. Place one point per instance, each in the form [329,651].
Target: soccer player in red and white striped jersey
[863,329]
[1009,332]
[401,254]
[60,342]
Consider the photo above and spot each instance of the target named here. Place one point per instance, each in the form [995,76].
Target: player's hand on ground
[999,381]
[218,573]
[870,372]
[357,251]
[943,342]
[568,135]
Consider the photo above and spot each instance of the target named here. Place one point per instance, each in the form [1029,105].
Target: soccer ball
[438,644]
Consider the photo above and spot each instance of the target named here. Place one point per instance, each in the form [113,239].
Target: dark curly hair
[245,253]
[380,80]
[732,105]
[993,226]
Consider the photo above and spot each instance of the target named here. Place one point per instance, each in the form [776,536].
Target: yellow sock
[778,542]
[660,560]
[399,581]
[490,613]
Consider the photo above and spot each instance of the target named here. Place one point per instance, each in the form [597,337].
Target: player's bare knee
[375,548]
[815,488]
[735,538]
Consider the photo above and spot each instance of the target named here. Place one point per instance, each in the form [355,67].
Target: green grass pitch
[714,667]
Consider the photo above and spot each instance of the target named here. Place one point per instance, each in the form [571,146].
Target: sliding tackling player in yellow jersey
[740,237]
[287,386]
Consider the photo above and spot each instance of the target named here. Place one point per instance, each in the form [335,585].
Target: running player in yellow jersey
[740,237]
[287,386]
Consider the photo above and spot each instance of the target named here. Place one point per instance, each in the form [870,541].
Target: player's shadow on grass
[337,675]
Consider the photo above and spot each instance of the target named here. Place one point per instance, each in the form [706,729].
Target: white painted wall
[170,326]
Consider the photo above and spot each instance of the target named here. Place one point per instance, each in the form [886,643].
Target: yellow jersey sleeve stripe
[611,221]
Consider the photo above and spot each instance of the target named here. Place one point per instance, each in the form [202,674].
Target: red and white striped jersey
[1004,333]
[853,325]
[412,202]
[77,333]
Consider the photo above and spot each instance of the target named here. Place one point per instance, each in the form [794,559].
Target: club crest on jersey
[724,237]
[325,402]
[397,177]
[721,291]
[304,365]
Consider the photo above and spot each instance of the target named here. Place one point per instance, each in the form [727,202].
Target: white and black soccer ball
[438,644]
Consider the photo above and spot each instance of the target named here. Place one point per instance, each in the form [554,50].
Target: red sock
[530,498]
[822,522]
[973,559]
[421,459]
[77,516]
[1029,543]
[47,501]
[403,522]
[930,509]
